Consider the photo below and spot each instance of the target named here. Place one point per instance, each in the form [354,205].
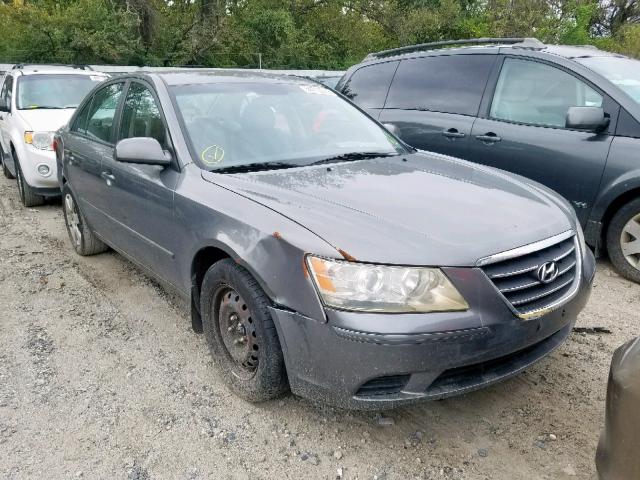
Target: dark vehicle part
[617,456]
[623,240]
[241,334]
[5,169]
[83,240]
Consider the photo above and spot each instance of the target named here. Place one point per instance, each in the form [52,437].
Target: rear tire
[28,197]
[5,170]
[623,240]
[83,240]
[241,334]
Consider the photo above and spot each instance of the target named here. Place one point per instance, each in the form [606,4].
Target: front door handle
[453,133]
[108,177]
[489,137]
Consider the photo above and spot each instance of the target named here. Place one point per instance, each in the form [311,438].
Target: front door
[6,94]
[524,131]
[139,201]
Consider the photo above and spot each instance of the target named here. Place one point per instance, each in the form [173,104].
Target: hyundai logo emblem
[548,272]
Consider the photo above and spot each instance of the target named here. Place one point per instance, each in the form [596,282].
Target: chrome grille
[517,279]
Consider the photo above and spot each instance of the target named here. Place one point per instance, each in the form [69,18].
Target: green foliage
[323,34]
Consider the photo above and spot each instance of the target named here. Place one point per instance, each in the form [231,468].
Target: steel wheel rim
[630,241]
[73,220]
[238,333]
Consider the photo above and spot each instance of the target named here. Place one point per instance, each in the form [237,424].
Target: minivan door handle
[453,133]
[108,177]
[489,138]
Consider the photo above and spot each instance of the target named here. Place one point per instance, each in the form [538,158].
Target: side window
[7,90]
[539,94]
[443,83]
[101,114]
[80,123]
[141,115]
[368,86]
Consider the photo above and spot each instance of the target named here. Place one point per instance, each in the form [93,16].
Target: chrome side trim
[525,249]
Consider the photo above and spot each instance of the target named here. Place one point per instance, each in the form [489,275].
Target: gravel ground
[102,377]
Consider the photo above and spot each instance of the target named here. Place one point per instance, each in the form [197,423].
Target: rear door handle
[108,177]
[489,137]
[453,133]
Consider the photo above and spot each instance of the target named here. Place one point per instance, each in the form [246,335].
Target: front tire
[241,334]
[28,196]
[83,240]
[623,240]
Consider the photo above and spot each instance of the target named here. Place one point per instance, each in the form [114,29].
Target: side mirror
[392,128]
[145,150]
[3,106]
[591,119]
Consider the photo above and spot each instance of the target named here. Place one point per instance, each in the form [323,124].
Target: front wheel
[623,240]
[28,196]
[84,241]
[241,334]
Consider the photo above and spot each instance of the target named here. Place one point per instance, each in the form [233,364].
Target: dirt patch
[102,377]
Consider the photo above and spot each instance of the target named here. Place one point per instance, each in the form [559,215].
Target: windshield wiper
[353,156]
[254,167]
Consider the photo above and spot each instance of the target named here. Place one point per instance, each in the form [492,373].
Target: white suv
[35,101]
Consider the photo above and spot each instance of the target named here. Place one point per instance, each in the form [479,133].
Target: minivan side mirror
[591,119]
[145,150]
[3,105]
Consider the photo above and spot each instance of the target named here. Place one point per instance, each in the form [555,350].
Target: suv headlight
[40,140]
[381,288]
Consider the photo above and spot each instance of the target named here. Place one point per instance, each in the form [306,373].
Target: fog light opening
[44,170]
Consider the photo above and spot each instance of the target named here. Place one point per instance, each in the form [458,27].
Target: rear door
[433,101]
[6,94]
[90,139]
[139,198]
[523,130]
[368,86]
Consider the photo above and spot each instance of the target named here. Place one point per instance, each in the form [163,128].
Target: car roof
[569,52]
[53,70]
[189,77]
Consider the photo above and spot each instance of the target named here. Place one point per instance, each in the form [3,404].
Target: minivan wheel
[241,334]
[27,196]
[623,240]
[83,240]
[5,169]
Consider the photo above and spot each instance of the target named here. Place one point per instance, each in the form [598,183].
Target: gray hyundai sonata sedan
[318,252]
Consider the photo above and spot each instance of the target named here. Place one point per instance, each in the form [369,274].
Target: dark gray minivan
[317,251]
[567,117]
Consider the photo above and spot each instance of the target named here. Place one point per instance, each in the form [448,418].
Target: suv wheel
[5,170]
[82,238]
[27,196]
[241,334]
[623,240]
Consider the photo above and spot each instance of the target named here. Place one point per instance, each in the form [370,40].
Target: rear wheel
[28,197]
[83,240]
[5,170]
[623,240]
[241,334]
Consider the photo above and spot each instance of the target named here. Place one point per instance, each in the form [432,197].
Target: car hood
[423,210]
[46,120]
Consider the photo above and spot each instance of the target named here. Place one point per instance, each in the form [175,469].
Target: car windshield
[624,72]
[264,124]
[54,90]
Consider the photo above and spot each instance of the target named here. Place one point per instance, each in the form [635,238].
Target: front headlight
[380,288]
[40,140]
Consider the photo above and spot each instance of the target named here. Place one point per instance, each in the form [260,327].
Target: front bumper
[376,361]
[30,158]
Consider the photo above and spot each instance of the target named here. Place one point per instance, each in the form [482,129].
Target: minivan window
[444,83]
[538,94]
[624,72]
[368,86]
[80,123]
[54,91]
[103,111]
[141,115]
